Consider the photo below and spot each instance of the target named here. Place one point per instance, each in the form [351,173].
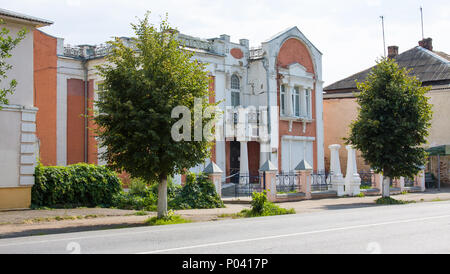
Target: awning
[439,150]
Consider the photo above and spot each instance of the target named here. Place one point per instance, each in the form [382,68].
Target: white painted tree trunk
[162,198]
[386,186]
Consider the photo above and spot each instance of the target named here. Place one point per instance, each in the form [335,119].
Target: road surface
[412,228]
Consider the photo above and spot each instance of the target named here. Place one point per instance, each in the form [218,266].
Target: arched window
[235,90]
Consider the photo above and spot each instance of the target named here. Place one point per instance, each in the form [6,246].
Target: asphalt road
[412,228]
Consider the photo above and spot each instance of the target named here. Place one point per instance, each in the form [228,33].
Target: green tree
[144,80]
[392,123]
[7,44]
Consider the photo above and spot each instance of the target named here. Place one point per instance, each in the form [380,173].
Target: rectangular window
[235,101]
[283,99]
[296,101]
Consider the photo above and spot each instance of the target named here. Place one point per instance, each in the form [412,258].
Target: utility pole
[421,19]
[384,41]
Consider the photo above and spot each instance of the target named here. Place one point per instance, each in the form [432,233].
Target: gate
[243,185]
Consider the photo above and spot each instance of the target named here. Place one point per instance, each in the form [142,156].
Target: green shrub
[124,200]
[138,187]
[198,192]
[74,185]
[391,201]
[143,197]
[258,201]
[262,207]
[170,219]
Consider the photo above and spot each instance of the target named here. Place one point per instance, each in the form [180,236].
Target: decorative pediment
[297,69]
[296,74]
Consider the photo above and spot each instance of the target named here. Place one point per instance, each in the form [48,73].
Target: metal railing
[287,183]
[410,182]
[367,179]
[256,53]
[249,179]
[243,185]
[320,181]
[246,190]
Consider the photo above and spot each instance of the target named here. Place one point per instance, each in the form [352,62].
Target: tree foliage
[7,44]
[144,80]
[393,120]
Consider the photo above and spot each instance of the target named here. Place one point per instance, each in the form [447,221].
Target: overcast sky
[347,32]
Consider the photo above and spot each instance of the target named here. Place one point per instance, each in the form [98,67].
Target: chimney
[225,37]
[426,43]
[392,52]
[244,42]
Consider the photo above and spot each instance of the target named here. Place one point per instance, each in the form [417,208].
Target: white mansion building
[284,74]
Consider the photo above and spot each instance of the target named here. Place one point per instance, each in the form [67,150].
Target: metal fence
[320,181]
[409,182]
[246,190]
[245,179]
[243,185]
[367,179]
[287,183]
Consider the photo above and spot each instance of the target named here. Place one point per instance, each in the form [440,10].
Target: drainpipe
[85,110]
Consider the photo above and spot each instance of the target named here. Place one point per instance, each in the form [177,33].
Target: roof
[212,168]
[303,165]
[35,20]
[439,150]
[268,166]
[426,65]
[287,30]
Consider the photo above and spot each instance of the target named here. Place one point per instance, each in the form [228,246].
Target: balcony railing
[256,53]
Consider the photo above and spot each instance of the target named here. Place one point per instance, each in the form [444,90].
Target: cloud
[373,3]
[73,3]
[348,33]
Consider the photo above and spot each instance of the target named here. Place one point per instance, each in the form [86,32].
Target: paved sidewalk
[38,222]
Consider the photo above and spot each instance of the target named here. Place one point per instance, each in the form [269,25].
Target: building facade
[278,84]
[431,67]
[18,145]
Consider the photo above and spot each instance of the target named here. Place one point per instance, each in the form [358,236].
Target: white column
[264,153]
[303,102]
[290,106]
[402,183]
[243,168]
[422,180]
[336,178]
[352,179]
[309,102]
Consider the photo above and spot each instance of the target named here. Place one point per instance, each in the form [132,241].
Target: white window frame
[235,90]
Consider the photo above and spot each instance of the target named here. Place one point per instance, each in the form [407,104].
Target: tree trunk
[386,186]
[162,197]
